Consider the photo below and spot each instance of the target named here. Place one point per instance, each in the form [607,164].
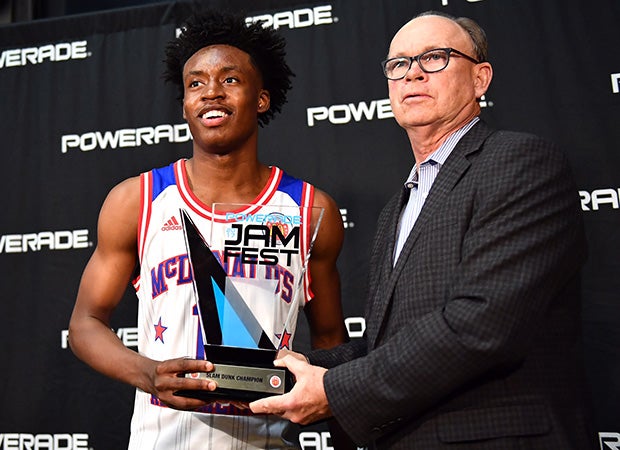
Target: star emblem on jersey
[159,331]
[285,340]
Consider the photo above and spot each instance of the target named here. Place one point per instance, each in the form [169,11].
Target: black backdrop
[83,106]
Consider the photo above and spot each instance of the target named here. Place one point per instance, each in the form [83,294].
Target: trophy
[249,279]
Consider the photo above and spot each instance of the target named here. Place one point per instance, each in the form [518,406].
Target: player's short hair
[265,47]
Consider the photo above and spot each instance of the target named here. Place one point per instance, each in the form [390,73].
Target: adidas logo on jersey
[171,224]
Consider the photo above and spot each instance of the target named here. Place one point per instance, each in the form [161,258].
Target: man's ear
[482,78]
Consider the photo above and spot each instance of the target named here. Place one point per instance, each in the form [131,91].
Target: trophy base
[242,374]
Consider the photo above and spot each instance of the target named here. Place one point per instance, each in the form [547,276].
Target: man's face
[223,97]
[440,99]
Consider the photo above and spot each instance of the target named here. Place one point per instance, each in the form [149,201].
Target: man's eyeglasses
[430,61]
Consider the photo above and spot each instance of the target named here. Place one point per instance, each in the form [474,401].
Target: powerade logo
[615,83]
[345,113]
[484,103]
[60,52]
[60,441]
[346,223]
[352,112]
[315,440]
[297,18]
[445,2]
[609,440]
[356,326]
[263,218]
[600,198]
[44,240]
[128,336]
[125,138]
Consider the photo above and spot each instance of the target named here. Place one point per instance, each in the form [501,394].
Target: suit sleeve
[521,245]
[343,353]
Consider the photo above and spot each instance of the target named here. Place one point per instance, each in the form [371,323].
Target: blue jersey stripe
[162,178]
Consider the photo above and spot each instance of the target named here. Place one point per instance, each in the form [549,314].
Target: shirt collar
[440,155]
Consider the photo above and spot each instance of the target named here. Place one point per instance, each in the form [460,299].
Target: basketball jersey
[168,318]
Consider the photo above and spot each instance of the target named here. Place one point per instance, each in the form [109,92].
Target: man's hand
[168,377]
[306,402]
[285,352]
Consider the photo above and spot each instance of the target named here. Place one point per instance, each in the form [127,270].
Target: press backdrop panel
[84,106]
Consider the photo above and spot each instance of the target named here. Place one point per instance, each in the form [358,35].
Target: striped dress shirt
[419,184]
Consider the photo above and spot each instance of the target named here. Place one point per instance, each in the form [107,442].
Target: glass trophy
[250,279]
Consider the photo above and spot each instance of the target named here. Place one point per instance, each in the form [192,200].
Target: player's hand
[168,377]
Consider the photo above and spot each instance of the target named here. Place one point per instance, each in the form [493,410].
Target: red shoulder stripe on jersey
[146,194]
[307,201]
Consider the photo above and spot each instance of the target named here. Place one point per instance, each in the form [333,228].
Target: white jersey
[168,320]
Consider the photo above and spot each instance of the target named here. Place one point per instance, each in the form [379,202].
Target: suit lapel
[453,170]
[390,235]
[383,264]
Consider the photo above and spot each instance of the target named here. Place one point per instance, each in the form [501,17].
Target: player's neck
[229,178]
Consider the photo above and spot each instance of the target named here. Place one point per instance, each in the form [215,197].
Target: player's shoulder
[124,197]
[132,186]
[324,200]
[129,186]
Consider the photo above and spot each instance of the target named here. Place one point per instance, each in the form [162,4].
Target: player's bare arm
[103,284]
[324,312]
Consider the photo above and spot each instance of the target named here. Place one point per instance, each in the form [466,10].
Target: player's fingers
[187,365]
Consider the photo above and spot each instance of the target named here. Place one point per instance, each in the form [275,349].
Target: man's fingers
[269,405]
[259,407]
[291,363]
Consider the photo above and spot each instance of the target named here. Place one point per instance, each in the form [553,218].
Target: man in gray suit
[473,322]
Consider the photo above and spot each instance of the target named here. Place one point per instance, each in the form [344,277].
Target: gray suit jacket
[473,338]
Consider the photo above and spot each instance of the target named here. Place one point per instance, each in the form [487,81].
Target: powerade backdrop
[83,106]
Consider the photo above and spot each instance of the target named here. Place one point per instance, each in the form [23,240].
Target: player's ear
[264,101]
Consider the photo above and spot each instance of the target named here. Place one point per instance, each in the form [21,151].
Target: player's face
[223,96]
